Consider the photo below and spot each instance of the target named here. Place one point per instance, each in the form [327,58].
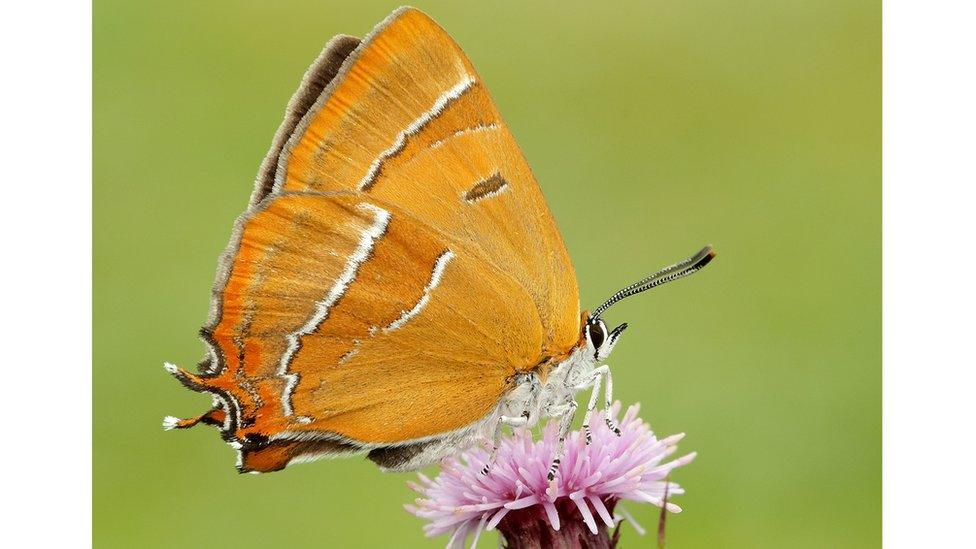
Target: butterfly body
[397,285]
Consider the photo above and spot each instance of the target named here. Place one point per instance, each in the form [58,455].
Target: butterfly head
[600,342]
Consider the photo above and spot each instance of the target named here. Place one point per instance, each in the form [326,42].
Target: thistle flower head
[515,494]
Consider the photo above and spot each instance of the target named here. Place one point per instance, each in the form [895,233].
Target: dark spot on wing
[492,185]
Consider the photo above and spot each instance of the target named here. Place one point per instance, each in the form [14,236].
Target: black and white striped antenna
[665,275]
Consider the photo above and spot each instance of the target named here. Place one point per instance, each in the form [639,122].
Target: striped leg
[609,396]
[595,382]
[497,436]
[566,423]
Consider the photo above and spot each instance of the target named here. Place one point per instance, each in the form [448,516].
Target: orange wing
[408,120]
[397,266]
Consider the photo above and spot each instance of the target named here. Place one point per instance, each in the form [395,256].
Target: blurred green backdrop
[754,125]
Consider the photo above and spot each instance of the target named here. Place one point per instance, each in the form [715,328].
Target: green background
[753,125]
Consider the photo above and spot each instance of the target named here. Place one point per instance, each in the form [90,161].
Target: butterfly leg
[594,381]
[517,421]
[566,421]
[609,396]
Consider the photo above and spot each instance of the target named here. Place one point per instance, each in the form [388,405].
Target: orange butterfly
[397,285]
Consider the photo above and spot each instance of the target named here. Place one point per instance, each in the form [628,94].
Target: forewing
[408,120]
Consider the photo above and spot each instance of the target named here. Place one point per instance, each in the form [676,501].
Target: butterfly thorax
[548,390]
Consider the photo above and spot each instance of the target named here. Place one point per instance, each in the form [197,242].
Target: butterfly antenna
[665,275]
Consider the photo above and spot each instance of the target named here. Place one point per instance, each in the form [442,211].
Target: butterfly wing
[398,270]
[407,119]
[344,318]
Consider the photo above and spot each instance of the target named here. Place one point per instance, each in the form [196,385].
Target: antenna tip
[705,256]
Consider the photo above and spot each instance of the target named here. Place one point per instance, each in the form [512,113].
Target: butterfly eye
[597,332]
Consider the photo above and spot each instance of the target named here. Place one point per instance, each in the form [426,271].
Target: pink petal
[587,515]
[496,518]
[601,510]
[551,514]
[623,511]
[477,533]
[457,539]
[522,503]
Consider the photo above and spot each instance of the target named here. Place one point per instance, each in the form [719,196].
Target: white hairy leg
[609,397]
[566,421]
[595,377]
[518,421]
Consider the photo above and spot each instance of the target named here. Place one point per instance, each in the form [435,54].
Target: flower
[516,497]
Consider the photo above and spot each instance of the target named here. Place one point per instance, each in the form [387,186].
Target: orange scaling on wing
[397,267]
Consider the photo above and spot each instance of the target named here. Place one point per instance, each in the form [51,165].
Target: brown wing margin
[316,79]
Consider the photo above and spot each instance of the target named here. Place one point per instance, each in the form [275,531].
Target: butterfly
[397,285]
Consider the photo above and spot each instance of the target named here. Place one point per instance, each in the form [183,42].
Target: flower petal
[522,503]
[601,510]
[477,532]
[551,514]
[496,518]
[584,510]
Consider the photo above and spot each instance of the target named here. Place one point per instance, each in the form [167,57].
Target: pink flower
[516,497]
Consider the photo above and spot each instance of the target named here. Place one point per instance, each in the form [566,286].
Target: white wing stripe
[367,241]
[450,95]
[435,279]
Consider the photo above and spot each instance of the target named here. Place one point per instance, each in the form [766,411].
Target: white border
[45,52]
[929,275]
